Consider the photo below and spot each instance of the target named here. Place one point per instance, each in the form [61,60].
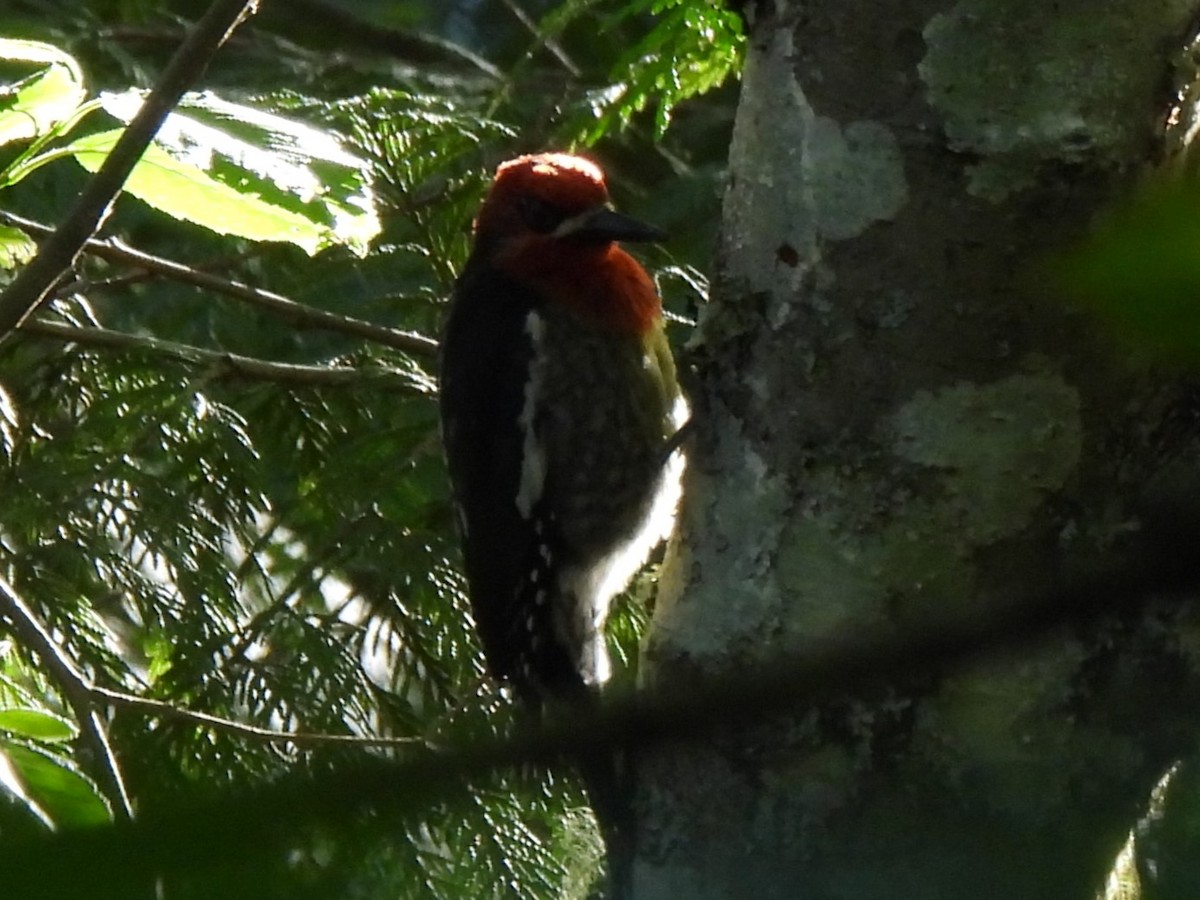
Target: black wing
[485,361]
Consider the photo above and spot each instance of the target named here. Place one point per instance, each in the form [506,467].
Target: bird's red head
[547,223]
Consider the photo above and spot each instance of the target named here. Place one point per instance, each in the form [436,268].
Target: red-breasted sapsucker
[559,404]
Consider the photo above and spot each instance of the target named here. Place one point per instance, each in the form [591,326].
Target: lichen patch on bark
[1018,88]
[1001,447]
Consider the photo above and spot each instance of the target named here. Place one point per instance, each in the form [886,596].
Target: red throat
[600,282]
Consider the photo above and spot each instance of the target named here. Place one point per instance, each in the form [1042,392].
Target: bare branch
[222,365]
[58,252]
[76,690]
[296,313]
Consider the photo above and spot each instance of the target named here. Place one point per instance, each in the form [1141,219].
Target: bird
[560,412]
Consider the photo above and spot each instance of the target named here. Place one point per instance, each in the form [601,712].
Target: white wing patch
[533,454]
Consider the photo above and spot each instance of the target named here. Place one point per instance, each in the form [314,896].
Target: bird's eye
[540,215]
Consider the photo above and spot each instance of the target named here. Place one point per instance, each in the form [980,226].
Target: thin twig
[543,40]
[58,252]
[165,710]
[415,48]
[221,365]
[296,313]
[76,690]
[235,645]
[84,697]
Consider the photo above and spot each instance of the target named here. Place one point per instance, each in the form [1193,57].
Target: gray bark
[897,420]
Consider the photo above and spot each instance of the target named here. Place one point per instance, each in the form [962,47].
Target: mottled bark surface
[897,419]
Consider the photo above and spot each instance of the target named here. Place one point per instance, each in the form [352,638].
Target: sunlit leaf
[16,247]
[34,104]
[13,785]
[56,787]
[187,192]
[36,725]
[278,163]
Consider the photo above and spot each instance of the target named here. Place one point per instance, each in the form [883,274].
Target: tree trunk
[896,422]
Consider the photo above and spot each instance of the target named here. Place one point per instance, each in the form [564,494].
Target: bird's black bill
[604,224]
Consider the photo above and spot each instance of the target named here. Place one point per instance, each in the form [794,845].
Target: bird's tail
[607,779]
[604,769]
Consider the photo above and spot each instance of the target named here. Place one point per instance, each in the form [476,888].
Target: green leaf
[1140,272]
[36,725]
[187,192]
[31,106]
[16,247]
[244,171]
[50,788]
[12,784]
[52,785]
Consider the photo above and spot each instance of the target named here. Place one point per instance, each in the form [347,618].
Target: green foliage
[1140,272]
[692,49]
[39,778]
[278,554]
[49,787]
[16,247]
[231,168]
[36,103]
